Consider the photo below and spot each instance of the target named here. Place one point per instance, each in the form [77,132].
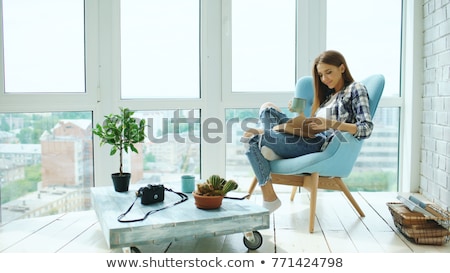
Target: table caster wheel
[135,249]
[253,240]
[131,249]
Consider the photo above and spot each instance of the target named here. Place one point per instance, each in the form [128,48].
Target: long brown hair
[321,91]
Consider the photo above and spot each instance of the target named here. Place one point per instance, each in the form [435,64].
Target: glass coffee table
[181,222]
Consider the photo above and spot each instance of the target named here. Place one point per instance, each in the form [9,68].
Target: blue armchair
[324,170]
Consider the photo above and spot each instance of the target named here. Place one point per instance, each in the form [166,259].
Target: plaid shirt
[352,106]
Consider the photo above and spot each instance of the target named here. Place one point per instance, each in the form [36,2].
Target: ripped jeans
[284,145]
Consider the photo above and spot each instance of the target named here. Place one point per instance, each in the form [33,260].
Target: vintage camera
[151,194]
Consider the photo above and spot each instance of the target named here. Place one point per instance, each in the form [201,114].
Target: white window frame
[49,102]
[411,97]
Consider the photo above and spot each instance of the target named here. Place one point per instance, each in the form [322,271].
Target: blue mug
[187,183]
[298,105]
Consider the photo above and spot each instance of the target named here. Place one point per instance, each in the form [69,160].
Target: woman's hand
[278,127]
[316,124]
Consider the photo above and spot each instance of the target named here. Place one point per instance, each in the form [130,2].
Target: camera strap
[183,197]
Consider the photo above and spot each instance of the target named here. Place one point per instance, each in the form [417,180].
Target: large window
[196,69]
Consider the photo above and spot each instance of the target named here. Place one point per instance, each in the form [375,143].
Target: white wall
[435,150]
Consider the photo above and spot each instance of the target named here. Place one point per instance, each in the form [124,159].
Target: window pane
[377,166]
[46,163]
[375,170]
[160,49]
[44,45]
[371,45]
[173,145]
[237,165]
[263,45]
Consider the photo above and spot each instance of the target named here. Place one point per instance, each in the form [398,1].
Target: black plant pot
[121,182]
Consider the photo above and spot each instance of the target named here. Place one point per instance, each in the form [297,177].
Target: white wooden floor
[338,229]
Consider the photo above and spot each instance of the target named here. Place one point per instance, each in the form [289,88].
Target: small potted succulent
[122,132]
[209,195]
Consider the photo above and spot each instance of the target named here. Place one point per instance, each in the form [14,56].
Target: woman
[340,104]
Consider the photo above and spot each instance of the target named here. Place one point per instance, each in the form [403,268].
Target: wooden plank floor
[338,229]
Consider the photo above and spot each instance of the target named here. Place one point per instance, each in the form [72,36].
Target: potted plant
[209,195]
[122,132]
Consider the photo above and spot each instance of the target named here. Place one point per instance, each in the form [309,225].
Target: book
[295,126]
[441,216]
[413,206]
[424,205]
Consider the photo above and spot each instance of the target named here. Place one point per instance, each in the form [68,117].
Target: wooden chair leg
[252,187]
[347,193]
[311,183]
[293,192]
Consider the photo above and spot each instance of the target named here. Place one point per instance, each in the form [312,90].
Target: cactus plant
[209,195]
[216,186]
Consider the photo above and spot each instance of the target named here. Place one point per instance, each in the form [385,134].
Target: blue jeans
[284,145]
